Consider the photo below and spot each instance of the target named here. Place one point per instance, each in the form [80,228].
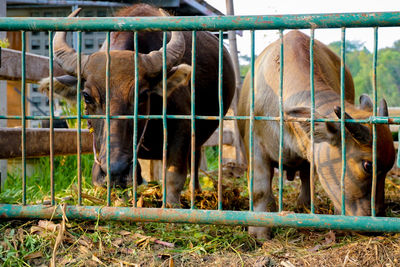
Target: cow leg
[176,174]
[264,199]
[304,198]
[197,187]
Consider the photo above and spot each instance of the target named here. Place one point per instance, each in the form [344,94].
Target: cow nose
[118,168]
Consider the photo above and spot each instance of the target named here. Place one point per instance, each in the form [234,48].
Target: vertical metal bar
[51,100]
[374,137]
[342,117]
[135,120]
[192,120]
[164,119]
[79,111]
[251,125]
[108,59]
[221,116]
[312,129]
[281,122]
[23,115]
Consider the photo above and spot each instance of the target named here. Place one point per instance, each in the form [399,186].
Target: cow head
[121,96]
[359,170]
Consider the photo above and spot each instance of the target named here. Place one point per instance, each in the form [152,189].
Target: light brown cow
[296,152]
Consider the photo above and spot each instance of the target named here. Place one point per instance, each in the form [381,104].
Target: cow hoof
[303,204]
[260,233]
[173,205]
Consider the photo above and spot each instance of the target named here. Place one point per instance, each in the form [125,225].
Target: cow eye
[88,98]
[367,166]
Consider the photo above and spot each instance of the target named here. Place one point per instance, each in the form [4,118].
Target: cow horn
[383,108]
[359,132]
[366,102]
[175,51]
[63,53]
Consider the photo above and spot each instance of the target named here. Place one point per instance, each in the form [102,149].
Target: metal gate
[194,24]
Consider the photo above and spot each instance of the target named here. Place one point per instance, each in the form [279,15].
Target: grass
[86,243]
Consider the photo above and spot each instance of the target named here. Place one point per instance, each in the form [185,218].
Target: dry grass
[151,244]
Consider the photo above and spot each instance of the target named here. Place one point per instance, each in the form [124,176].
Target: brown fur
[296,150]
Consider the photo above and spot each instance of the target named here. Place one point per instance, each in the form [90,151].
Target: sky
[386,36]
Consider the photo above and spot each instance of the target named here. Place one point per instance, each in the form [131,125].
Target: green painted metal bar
[312,124]
[342,117]
[301,21]
[51,101]
[374,112]
[108,122]
[221,116]
[281,122]
[251,124]
[398,150]
[135,120]
[193,123]
[23,115]
[164,120]
[370,120]
[79,119]
[313,221]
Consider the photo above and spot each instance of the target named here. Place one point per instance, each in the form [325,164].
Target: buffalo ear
[178,76]
[323,131]
[366,103]
[65,86]
[358,131]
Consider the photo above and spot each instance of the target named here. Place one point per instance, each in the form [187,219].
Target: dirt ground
[85,243]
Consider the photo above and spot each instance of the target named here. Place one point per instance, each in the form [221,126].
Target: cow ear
[64,86]
[323,131]
[178,76]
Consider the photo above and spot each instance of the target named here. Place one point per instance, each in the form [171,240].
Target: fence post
[3,98]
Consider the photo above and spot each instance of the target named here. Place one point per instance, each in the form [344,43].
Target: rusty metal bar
[23,115]
[342,118]
[221,116]
[79,119]
[374,113]
[193,125]
[135,120]
[251,125]
[51,100]
[164,119]
[312,124]
[281,122]
[339,222]
[108,122]
[190,23]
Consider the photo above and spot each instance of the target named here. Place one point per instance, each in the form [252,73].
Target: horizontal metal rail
[304,21]
[245,218]
[251,218]
[371,120]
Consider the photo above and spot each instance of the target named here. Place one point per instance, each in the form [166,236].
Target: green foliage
[38,184]
[360,61]
[4,43]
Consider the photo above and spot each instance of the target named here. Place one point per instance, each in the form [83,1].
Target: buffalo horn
[63,53]
[383,108]
[175,51]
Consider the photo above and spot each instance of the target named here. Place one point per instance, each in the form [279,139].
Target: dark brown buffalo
[150,82]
